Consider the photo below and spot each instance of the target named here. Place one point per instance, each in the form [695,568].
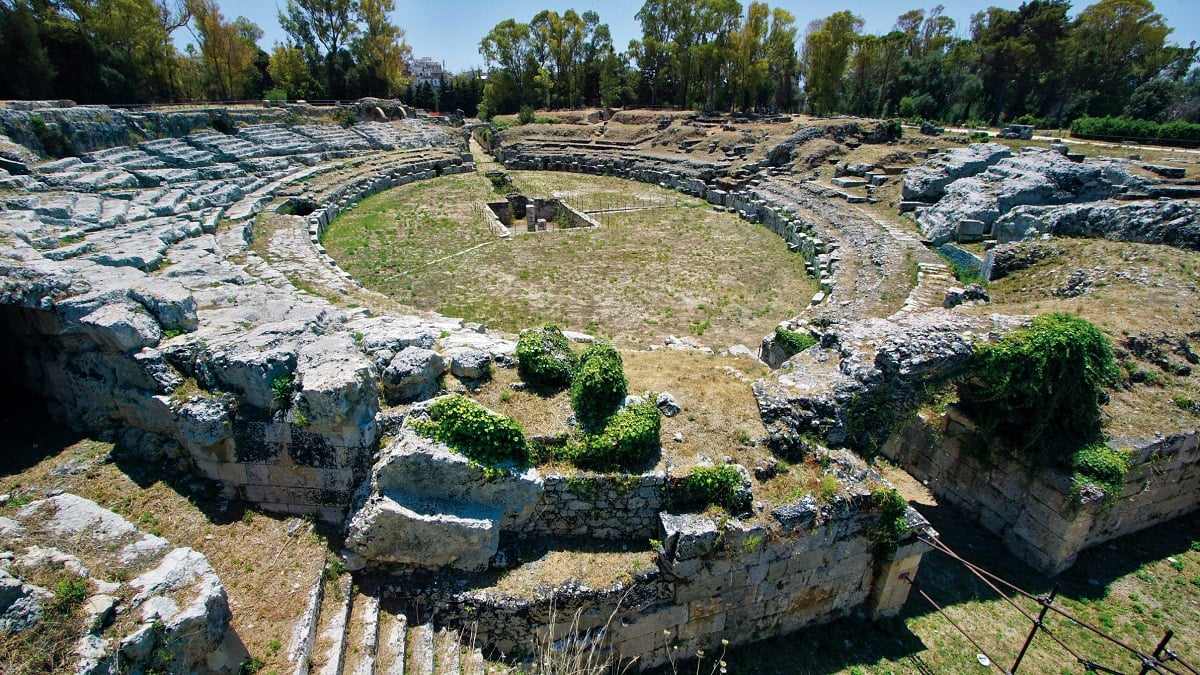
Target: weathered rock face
[1033,178]
[182,613]
[427,506]
[1171,222]
[845,390]
[412,375]
[125,305]
[928,182]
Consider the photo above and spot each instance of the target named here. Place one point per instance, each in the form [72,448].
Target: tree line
[123,51]
[1035,63]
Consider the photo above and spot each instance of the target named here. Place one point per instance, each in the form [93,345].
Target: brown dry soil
[266,572]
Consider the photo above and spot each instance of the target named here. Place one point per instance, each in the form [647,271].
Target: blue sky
[450,31]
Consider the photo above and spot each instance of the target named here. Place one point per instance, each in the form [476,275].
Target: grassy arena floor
[678,268]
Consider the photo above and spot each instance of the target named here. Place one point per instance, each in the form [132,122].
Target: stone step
[447,653]
[364,636]
[392,657]
[330,650]
[420,652]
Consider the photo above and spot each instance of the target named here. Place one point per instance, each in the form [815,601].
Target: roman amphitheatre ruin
[237,341]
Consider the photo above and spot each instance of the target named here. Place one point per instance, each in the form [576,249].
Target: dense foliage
[891,525]
[628,440]
[599,386]
[706,485]
[544,357]
[1177,132]
[1033,64]
[475,431]
[1042,386]
[792,342]
[1101,465]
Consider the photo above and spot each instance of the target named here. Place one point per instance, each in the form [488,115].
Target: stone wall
[713,582]
[1038,515]
[597,506]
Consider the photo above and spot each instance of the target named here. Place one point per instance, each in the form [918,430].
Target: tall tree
[290,72]
[508,53]
[783,64]
[826,52]
[1115,46]
[227,49]
[28,72]
[381,48]
[322,28]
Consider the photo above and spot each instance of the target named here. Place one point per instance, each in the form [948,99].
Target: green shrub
[1043,384]
[472,430]
[275,95]
[891,526]
[68,593]
[346,117]
[705,485]
[282,389]
[792,342]
[1128,129]
[525,115]
[629,439]
[544,357]
[1100,464]
[599,386]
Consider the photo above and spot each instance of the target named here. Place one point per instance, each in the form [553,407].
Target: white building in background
[428,70]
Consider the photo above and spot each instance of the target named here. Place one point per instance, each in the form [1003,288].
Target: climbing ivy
[599,386]
[629,438]
[792,342]
[544,357]
[1103,466]
[891,526]
[1040,387]
[475,431]
[705,485]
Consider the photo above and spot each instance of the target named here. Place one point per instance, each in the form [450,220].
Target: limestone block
[172,305]
[424,532]
[338,388]
[412,375]
[118,327]
[415,465]
[688,535]
[469,363]
[204,421]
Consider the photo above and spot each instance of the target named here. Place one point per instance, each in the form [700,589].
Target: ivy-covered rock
[629,439]
[599,387]
[1042,386]
[544,357]
[473,430]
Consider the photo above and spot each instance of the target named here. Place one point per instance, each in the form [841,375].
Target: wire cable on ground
[1148,662]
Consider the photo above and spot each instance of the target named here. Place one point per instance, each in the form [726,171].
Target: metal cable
[1146,660]
[941,611]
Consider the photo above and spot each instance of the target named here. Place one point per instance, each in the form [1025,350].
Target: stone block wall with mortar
[713,582]
[610,508]
[1038,515]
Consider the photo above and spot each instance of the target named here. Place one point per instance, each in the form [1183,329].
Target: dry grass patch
[547,567]
[1134,289]
[678,270]
[266,563]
